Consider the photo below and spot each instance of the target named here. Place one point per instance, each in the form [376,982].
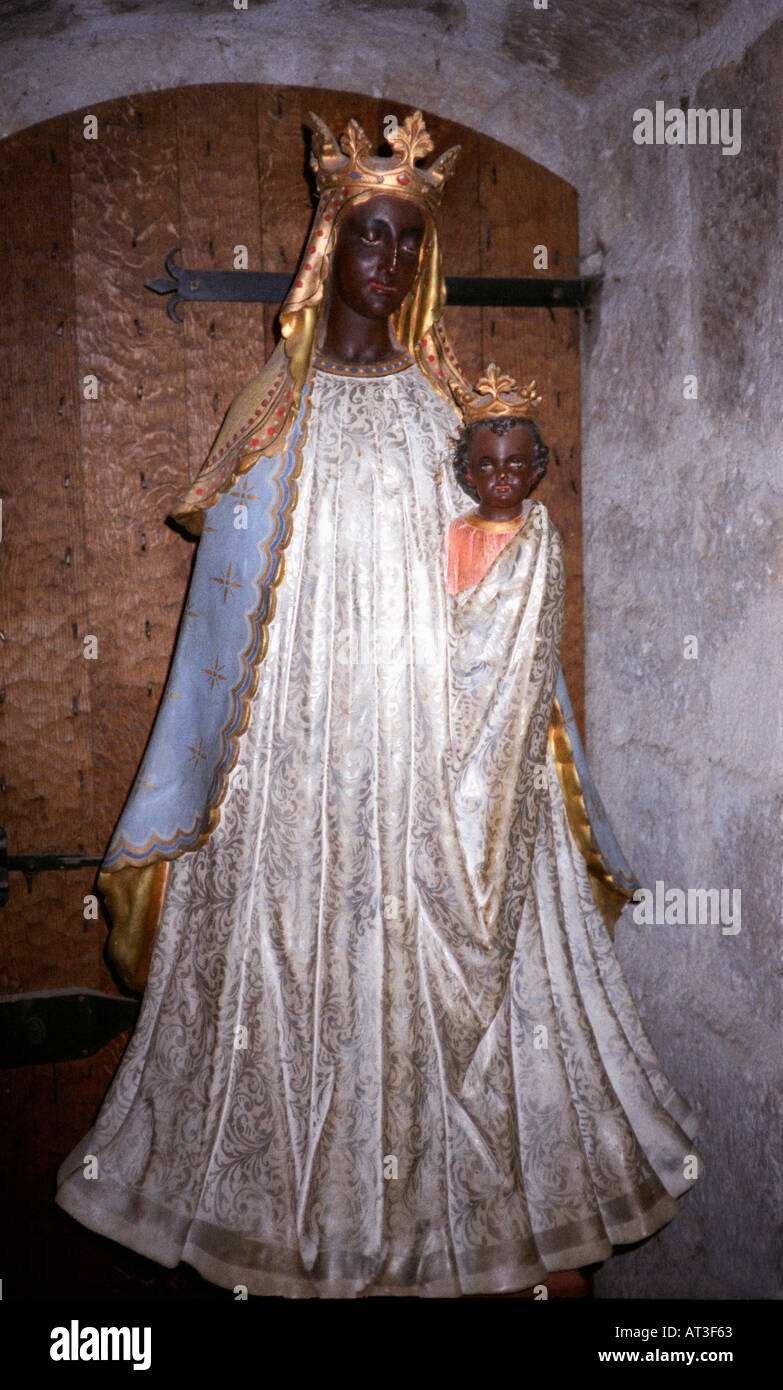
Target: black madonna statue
[385,1046]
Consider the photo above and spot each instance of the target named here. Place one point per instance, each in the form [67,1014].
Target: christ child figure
[500,458]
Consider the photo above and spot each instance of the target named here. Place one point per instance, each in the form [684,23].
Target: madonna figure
[385,1047]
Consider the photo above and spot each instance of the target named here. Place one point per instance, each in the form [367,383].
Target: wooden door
[109,409]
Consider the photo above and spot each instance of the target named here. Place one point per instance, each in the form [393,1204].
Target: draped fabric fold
[385,1045]
[173,805]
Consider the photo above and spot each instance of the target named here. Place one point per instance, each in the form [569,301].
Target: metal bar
[31,864]
[270,287]
[494,292]
[34,863]
[60,1025]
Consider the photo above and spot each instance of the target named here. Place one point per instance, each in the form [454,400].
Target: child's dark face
[502,469]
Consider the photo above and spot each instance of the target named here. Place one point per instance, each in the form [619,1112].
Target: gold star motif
[197,753]
[242,493]
[214,674]
[227,582]
[140,782]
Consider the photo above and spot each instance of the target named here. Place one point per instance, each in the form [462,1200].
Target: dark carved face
[377,255]
[502,467]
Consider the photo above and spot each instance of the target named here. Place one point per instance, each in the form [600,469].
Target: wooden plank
[46,772]
[217,137]
[47,943]
[524,206]
[46,776]
[125,221]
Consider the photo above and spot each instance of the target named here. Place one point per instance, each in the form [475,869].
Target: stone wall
[683,503]
[682,500]
[56,55]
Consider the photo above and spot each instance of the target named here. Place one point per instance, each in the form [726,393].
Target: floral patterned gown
[386,1046]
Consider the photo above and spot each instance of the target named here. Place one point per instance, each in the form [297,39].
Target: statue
[499,460]
[385,1046]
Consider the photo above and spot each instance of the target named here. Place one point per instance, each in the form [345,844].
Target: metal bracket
[31,864]
[60,1025]
[271,287]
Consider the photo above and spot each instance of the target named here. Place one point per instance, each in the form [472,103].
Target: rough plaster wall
[683,531]
[56,55]
[682,499]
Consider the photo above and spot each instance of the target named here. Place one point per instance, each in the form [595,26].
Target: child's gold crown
[352,166]
[495,396]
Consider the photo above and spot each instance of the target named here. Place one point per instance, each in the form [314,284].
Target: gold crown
[352,165]
[495,396]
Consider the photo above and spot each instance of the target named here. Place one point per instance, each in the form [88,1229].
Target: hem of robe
[229,1258]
